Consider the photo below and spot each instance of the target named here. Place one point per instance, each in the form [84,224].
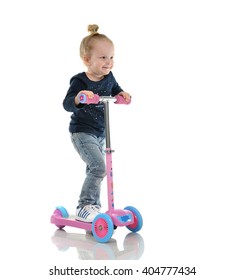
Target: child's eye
[104,57]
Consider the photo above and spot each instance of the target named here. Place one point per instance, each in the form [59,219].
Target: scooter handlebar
[118,99]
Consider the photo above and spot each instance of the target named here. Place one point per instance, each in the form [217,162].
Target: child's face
[100,61]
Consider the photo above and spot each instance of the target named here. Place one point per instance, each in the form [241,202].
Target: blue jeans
[91,150]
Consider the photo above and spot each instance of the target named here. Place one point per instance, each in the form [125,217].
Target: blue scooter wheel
[102,228]
[63,211]
[138,221]
[60,211]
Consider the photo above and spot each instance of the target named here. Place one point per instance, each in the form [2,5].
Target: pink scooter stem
[110,189]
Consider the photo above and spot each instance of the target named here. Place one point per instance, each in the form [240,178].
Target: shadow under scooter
[89,249]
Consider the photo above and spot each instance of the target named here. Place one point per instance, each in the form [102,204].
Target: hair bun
[93,28]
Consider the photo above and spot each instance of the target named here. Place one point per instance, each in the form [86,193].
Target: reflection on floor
[89,249]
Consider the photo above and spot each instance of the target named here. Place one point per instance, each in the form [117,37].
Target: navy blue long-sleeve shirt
[89,118]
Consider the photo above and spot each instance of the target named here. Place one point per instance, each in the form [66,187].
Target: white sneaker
[87,213]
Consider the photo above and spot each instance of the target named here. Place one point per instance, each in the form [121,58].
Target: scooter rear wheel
[61,211]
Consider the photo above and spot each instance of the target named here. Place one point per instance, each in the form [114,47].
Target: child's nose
[108,61]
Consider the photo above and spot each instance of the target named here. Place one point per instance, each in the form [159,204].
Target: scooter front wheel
[138,221]
[102,228]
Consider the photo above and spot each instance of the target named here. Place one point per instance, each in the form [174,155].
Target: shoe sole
[82,220]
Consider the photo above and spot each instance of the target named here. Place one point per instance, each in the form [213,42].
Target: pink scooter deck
[71,221]
[118,216]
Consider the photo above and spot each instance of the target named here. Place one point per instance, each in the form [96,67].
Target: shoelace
[96,208]
[92,208]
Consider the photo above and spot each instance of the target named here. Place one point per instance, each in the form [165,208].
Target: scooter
[104,224]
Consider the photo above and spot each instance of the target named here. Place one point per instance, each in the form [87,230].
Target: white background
[179,146]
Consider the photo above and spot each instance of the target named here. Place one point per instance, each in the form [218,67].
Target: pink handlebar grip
[84,99]
[120,100]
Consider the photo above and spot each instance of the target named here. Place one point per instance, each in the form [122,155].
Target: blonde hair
[87,42]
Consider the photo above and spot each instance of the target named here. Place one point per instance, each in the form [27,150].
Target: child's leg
[90,149]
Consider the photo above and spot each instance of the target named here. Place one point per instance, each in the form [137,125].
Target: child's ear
[86,60]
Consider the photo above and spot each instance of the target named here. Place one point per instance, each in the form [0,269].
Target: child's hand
[125,95]
[88,93]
